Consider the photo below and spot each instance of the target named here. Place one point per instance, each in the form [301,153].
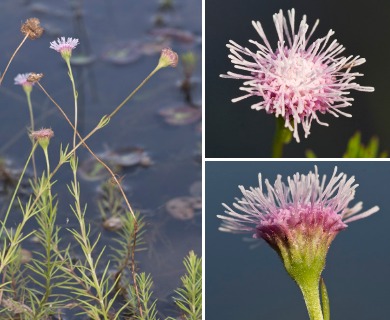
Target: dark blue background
[252,284]
[234,130]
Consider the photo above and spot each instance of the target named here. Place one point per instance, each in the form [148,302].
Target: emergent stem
[311,294]
[75,101]
[282,136]
[12,57]
[32,127]
[134,91]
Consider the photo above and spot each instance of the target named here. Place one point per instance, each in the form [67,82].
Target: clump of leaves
[189,298]
[356,149]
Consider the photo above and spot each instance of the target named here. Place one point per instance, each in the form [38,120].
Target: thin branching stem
[82,142]
[17,187]
[115,179]
[32,128]
[75,101]
[12,57]
[133,92]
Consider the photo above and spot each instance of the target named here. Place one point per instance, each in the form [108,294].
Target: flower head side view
[296,80]
[299,220]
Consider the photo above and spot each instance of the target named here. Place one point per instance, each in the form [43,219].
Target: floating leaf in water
[182,115]
[41,8]
[152,47]
[166,4]
[113,223]
[123,52]
[184,208]
[127,157]
[25,256]
[82,60]
[174,34]
[92,170]
[52,30]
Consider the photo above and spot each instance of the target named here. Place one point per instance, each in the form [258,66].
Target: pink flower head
[21,79]
[44,133]
[168,58]
[63,46]
[298,79]
[305,212]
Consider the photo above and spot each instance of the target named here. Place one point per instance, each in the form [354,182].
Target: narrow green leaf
[324,300]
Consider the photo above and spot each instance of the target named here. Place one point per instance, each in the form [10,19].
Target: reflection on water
[119,45]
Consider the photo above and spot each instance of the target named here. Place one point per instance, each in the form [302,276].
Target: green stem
[49,220]
[12,57]
[17,187]
[134,91]
[32,125]
[78,210]
[325,300]
[282,137]
[75,100]
[99,126]
[311,294]
[47,163]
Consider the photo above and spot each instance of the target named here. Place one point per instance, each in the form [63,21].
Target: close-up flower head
[64,46]
[299,219]
[305,207]
[300,77]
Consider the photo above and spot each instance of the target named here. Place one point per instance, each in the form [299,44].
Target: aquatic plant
[299,220]
[51,281]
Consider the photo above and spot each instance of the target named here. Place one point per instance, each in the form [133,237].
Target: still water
[104,27]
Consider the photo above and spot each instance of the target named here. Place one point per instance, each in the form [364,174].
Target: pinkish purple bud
[168,58]
[43,136]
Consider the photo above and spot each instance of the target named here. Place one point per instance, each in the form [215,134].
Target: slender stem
[32,127]
[311,294]
[49,218]
[75,101]
[12,57]
[282,136]
[17,186]
[47,163]
[30,109]
[82,142]
[134,92]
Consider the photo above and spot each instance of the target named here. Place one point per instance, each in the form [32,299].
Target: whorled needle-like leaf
[189,298]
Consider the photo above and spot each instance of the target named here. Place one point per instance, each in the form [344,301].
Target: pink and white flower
[64,46]
[21,79]
[307,208]
[299,78]
[44,133]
